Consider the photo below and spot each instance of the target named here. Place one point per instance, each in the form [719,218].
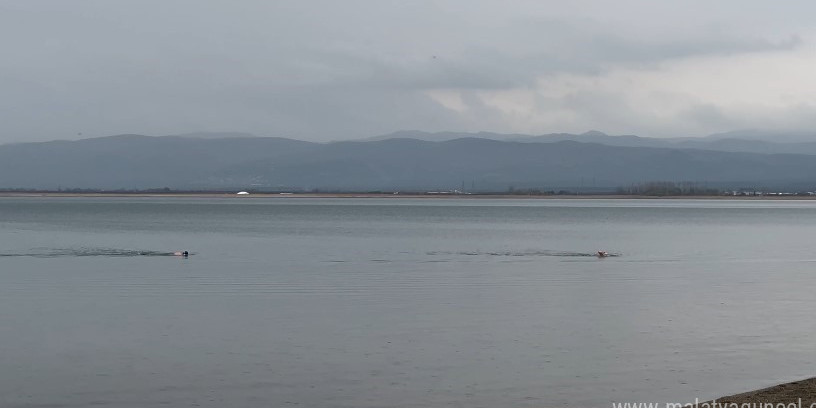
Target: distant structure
[242,193]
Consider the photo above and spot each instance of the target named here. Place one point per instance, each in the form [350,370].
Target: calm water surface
[401,302]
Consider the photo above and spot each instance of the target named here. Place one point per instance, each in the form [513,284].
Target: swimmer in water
[602,254]
[184,254]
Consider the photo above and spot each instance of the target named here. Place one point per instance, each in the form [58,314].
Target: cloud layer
[327,70]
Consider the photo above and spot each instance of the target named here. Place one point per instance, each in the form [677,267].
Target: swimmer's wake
[81,252]
[597,254]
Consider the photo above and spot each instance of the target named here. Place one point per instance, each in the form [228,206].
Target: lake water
[401,302]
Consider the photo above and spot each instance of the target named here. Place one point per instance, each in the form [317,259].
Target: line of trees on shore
[650,188]
[668,188]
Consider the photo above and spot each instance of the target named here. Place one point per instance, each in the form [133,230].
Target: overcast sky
[328,69]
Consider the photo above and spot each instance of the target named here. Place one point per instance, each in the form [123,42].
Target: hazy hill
[137,162]
[444,136]
[767,136]
[216,135]
[131,161]
[495,165]
[741,141]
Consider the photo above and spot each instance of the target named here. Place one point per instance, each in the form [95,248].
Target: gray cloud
[324,70]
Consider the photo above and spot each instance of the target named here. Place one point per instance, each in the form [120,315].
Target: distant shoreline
[399,196]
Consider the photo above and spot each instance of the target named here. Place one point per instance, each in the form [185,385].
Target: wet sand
[789,393]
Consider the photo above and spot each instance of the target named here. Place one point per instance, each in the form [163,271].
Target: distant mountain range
[408,160]
[748,141]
